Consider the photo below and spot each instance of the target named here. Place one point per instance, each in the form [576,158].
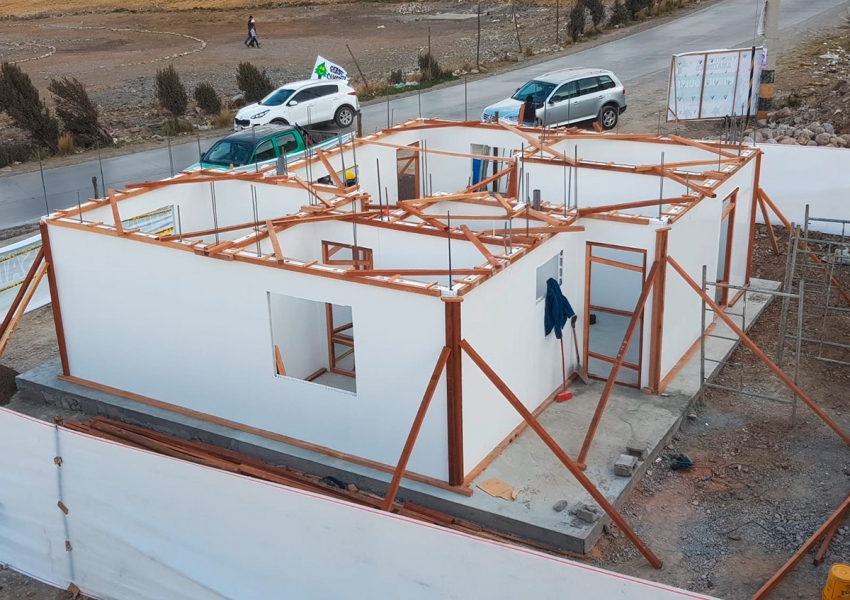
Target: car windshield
[226,152]
[539,90]
[276,98]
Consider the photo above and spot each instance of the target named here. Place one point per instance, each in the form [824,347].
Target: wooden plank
[413,272]
[39,257]
[618,363]
[619,218]
[481,248]
[795,560]
[315,375]
[454,392]
[701,146]
[769,227]
[407,450]
[753,208]
[278,253]
[616,264]
[331,172]
[13,323]
[119,227]
[827,540]
[657,325]
[630,205]
[491,179]
[574,469]
[278,360]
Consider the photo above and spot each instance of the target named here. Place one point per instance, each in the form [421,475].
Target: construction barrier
[118,522]
[794,176]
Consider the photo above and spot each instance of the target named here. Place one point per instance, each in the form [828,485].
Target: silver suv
[563,97]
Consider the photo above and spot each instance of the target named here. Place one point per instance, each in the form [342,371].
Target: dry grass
[223,119]
[66,144]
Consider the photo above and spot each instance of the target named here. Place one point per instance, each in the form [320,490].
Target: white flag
[325,69]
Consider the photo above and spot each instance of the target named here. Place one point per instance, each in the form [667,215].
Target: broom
[579,369]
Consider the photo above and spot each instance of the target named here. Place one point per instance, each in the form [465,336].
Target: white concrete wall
[202,326]
[503,320]
[692,243]
[743,181]
[794,176]
[146,527]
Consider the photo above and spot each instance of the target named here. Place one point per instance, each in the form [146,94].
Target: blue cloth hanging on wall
[558,309]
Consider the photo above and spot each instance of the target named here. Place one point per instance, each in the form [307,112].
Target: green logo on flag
[321,70]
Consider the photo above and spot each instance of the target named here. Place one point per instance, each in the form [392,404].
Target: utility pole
[771,46]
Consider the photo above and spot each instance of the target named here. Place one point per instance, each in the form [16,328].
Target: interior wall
[299,329]
[199,333]
[793,176]
[503,321]
[743,181]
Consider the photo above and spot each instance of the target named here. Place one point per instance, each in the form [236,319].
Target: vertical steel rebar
[786,287]
[449,237]
[661,187]
[79,206]
[102,179]
[378,171]
[256,219]
[43,185]
[170,156]
[179,224]
[214,210]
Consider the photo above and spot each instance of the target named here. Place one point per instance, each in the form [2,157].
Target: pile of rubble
[784,127]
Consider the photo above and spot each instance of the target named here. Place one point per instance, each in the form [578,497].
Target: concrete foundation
[526,464]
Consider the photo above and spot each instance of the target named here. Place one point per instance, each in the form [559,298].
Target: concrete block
[560,505]
[637,449]
[587,513]
[625,465]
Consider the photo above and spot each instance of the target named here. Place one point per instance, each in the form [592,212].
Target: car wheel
[344,116]
[608,116]
[279,122]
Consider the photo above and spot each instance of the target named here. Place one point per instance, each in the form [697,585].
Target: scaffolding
[710,368]
[822,262]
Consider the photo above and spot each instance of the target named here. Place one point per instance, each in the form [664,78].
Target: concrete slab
[526,464]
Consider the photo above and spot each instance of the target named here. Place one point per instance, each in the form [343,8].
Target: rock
[827,128]
[759,137]
[822,139]
[804,139]
[637,449]
[625,465]
[560,505]
[771,141]
[761,122]
[846,138]
[808,132]
[812,143]
[587,513]
[840,142]
[783,113]
[734,536]
[352,487]
[787,141]
[748,139]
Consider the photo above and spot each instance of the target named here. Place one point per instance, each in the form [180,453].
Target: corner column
[454,390]
[54,299]
[658,291]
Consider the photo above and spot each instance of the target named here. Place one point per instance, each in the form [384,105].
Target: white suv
[303,103]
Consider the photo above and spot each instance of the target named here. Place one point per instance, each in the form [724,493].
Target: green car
[261,146]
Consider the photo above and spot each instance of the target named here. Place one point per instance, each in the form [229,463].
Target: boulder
[840,142]
[822,139]
[827,128]
[771,141]
[759,137]
[783,113]
[812,143]
[761,122]
[808,133]
[803,139]
[787,141]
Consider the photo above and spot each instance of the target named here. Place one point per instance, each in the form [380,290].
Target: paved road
[727,24]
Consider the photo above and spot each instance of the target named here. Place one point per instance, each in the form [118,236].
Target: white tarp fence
[793,176]
[17,258]
[714,84]
[145,526]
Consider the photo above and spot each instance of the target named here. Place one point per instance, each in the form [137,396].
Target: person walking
[250,24]
[252,33]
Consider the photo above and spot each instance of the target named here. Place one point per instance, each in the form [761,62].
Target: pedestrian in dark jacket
[529,111]
[252,31]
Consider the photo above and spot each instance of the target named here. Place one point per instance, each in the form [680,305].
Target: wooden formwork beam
[22,290]
[22,306]
[571,465]
[415,428]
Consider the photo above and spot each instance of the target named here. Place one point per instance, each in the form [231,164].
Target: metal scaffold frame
[707,381]
[824,265]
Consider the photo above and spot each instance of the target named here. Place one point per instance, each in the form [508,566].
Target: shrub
[395,77]
[577,20]
[79,115]
[170,91]
[529,51]
[66,144]
[20,100]
[619,14]
[636,6]
[255,84]
[223,119]
[597,11]
[207,99]
[12,152]
[429,68]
